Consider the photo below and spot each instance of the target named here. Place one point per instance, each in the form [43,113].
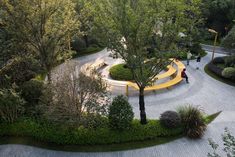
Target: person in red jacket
[184,75]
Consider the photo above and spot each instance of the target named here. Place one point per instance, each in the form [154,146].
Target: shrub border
[149,140]
[218,77]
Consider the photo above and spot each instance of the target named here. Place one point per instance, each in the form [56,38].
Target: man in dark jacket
[198,60]
[184,75]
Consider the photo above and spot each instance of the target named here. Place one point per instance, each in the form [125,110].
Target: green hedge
[87,51]
[229,73]
[84,136]
[120,72]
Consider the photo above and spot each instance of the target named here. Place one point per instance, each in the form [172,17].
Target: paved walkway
[211,95]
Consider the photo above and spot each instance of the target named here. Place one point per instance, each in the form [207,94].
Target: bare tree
[76,95]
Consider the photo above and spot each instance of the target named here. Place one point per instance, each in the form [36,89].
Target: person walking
[198,60]
[184,75]
[189,56]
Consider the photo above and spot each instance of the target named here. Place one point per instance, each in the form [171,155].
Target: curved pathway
[211,95]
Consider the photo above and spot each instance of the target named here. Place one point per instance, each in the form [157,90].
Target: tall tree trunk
[49,77]
[86,40]
[142,106]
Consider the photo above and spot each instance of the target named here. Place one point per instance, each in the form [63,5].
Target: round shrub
[31,91]
[192,120]
[229,73]
[11,105]
[78,44]
[120,113]
[214,68]
[121,72]
[170,119]
[218,60]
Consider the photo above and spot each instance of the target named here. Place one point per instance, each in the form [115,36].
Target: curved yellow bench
[171,71]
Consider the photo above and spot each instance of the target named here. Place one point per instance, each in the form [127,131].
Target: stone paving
[211,95]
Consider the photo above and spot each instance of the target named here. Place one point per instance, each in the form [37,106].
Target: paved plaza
[211,95]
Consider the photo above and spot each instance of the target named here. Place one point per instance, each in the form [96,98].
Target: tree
[229,40]
[219,14]
[86,18]
[73,97]
[41,27]
[130,27]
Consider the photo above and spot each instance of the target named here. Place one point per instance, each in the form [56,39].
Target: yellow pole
[127,92]
[213,54]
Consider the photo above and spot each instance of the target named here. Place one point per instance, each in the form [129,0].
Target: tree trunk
[142,106]
[86,40]
[49,77]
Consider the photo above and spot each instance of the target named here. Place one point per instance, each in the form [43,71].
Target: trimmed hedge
[84,136]
[213,65]
[120,72]
[229,73]
[215,69]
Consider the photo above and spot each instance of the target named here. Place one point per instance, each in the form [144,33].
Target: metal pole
[213,53]
[127,92]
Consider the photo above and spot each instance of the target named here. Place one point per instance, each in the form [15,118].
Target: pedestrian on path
[184,75]
[189,56]
[198,60]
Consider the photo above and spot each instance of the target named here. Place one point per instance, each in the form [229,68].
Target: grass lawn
[87,148]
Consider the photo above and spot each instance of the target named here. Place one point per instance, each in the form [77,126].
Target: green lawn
[87,148]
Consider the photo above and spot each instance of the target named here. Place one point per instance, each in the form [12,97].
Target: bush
[214,68]
[94,121]
[192,119]
[63,134]
[229,73]
[92,41]
[120,113]
[11,105]
[78,44]
[178,55]
[228,41]
[18,70]
[121,72]
[229,61]
[228,142]
[170,119]
[31,91]
[196,48]
[218,60]
[75,99]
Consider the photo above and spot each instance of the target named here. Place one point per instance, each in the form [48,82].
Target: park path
[211,95]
